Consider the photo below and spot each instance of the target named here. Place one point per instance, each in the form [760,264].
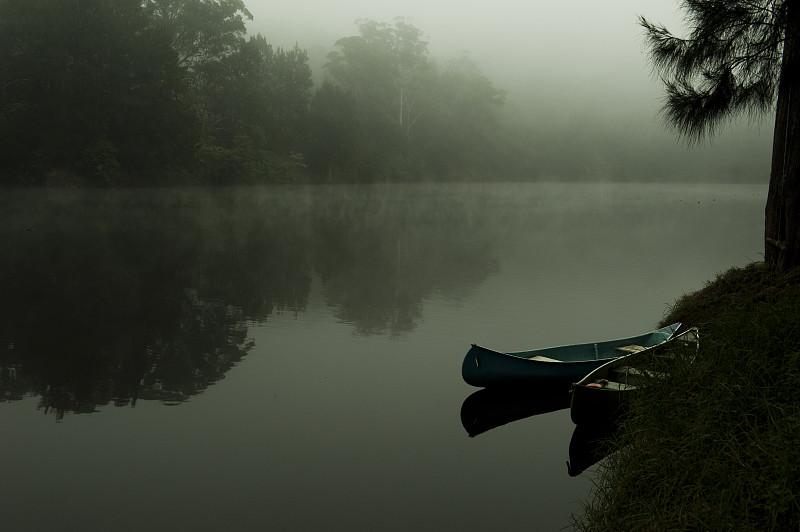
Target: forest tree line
[176,91]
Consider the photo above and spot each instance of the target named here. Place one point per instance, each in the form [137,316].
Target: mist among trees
[148,92]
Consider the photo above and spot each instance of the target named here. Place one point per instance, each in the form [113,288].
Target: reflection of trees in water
[133,295]
[382,251]
[112,297]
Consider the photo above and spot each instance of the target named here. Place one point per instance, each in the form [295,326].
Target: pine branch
[729,64]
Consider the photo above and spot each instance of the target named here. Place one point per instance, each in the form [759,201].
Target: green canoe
[551,365]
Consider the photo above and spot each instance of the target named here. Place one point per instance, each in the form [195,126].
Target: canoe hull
[485,367]
[592,405]
[588,445]
[489,408]
[482,367]
[598,406]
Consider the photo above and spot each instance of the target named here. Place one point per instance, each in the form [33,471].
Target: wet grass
[717,446]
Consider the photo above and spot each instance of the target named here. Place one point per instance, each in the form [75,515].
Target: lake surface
[289,358]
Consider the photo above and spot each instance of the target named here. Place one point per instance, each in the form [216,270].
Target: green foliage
[257,100]
[381,68]
[228,165]
[78,75]
[142,92]
[283,169]
[715,447]
[333,131]
[729,63]
[461,120]
[412,117]
[99,161]
[201,31]
[740,57]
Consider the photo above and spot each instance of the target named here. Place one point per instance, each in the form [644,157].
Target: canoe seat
[631,348]
[619,386]
[544,359]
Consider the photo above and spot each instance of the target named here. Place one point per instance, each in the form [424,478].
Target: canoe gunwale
[540,360]
[483,366]
[605,368]
[592,405]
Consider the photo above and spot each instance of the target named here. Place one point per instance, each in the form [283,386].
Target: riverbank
[720,448]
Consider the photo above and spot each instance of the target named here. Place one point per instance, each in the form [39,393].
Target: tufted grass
[717,446]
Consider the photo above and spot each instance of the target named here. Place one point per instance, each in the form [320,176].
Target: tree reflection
[117,296]
[384,251]
[114,297]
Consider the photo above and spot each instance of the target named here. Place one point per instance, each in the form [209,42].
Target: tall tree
[383,65]
[202,33]
[290,96]
[383,68]
[202,30]
[460,132]
[258,98]
[740,56]
[85,86]
[332,131]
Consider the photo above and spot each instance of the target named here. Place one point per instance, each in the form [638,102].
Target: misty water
[288,358]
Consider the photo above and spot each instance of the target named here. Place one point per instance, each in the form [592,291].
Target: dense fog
[576,76]
[254,92]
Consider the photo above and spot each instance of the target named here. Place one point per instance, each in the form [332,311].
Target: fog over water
[288,358]
[576,76]
[286,355]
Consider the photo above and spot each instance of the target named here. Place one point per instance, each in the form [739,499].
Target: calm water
[289,358]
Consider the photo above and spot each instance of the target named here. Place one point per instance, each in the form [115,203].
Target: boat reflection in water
[490,408]
[589,444]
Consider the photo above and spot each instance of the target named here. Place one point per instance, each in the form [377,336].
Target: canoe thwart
[544,359]
[631,348]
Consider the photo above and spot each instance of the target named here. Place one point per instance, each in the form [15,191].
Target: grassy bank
[716,447]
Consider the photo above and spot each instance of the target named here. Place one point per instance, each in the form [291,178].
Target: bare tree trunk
[402,110]
[782,213]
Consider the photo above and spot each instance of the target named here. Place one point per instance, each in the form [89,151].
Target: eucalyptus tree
[740,57]
[384,68]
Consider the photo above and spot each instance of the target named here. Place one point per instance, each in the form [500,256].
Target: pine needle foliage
[729,64]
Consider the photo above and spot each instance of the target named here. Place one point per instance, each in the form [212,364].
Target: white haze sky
[559,61]
[560,45]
